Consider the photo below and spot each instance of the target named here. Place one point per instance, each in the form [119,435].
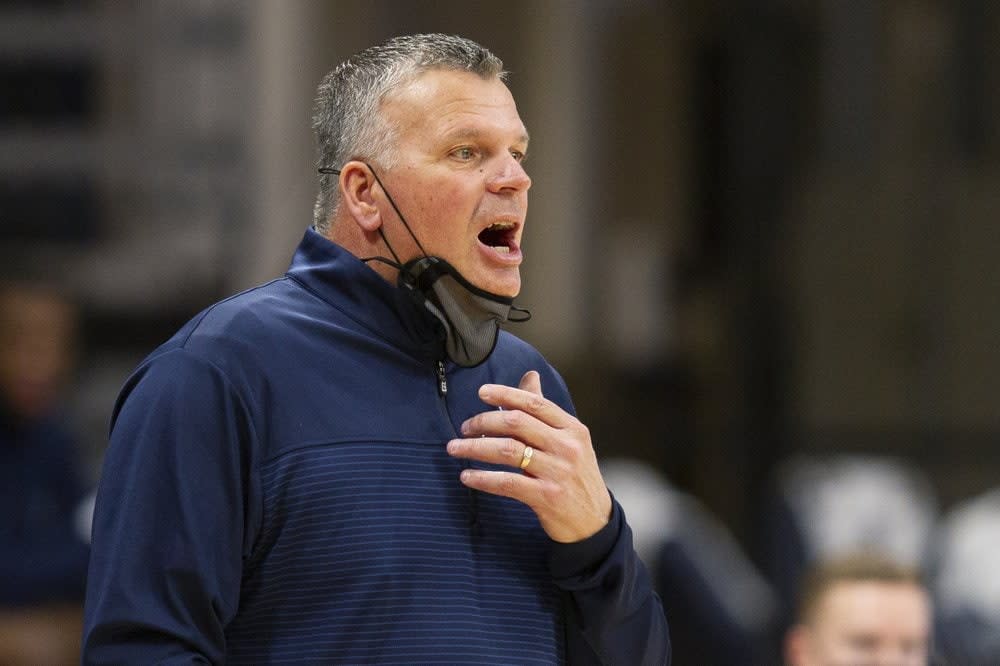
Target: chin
[505,283]
[505,288]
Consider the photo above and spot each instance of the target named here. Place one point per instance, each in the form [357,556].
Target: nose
[510,177]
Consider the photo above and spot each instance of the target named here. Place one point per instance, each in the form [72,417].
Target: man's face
[36,348]
[458,178]
[868,624]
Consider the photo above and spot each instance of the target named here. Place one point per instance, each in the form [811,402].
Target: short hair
[856,568]
[348,121]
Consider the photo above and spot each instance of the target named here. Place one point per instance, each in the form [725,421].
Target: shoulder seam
[211,308]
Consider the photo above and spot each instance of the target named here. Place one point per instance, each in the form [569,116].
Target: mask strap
[521,315]
[330,170]
[396,208]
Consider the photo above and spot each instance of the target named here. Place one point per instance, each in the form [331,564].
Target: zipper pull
[442,379]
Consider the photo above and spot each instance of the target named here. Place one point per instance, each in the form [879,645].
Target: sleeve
[169,533]
[614,617]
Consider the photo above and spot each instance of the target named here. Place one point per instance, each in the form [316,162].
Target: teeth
[500,226]
[502,249]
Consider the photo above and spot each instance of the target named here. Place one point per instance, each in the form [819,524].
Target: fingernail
[484,391]
[465,428]
[452,446]
[466,475]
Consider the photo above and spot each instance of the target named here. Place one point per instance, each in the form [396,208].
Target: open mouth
[499,237]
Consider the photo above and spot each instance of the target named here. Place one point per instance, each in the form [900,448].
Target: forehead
[443,103]
[852,603]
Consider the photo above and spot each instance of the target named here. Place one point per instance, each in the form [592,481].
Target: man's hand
[561,481]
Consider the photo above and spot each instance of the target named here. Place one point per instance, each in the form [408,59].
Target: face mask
[471,317]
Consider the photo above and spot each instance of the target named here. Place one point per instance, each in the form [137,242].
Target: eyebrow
[471,133]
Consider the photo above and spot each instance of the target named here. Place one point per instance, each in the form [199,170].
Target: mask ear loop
[396,208]
[518,315]
[399,264]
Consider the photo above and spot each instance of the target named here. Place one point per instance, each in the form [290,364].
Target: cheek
[447,212]
[437,206]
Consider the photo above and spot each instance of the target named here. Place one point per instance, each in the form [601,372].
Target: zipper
[442,380]
[442,387]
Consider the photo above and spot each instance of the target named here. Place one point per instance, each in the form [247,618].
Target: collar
[347,284]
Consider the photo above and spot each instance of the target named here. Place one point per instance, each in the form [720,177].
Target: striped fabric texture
[374,553]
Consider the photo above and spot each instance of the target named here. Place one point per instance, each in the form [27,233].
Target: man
[43,558]
[351,464]
[861,611]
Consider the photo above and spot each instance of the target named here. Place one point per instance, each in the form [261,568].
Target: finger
[531,382]
[507,484]
[512,424]
[499,451]
[529,402]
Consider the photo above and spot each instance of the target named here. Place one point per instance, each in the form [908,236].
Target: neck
[362,244]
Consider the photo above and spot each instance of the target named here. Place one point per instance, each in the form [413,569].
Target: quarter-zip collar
[349,285]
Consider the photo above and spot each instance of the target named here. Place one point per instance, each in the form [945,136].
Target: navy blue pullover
[276,489]
[42,559]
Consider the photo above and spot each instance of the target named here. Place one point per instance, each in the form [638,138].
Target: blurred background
[763,237]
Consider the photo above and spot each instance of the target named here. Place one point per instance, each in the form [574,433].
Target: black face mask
[470,316]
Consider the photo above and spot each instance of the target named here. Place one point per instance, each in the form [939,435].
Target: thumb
[531,381]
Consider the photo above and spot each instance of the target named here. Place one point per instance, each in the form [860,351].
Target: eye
[518,155]
[465,153]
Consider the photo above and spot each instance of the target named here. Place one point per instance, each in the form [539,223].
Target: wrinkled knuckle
[512,418]
[553,493]
[537,403]
[579,430]
[507,485]
[508,447]
[572,450]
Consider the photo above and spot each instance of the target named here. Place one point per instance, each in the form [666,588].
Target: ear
[356,182]
[797,646]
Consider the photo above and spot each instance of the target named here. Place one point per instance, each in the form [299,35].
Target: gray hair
[348,121]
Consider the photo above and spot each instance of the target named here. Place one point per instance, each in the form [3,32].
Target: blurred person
[43,558]
[966,581]
[828,506]
[722,610]
[861,610]
[352,463]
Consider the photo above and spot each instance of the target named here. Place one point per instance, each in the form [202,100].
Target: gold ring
[526,457]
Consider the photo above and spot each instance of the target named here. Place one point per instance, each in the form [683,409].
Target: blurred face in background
[864,623]
[37,333]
